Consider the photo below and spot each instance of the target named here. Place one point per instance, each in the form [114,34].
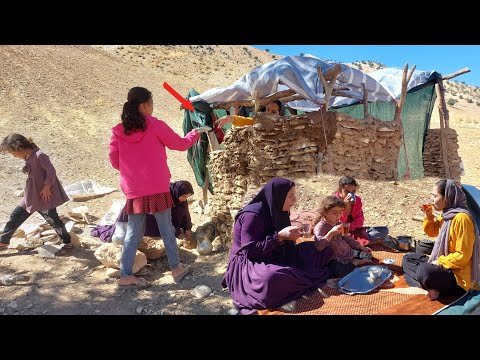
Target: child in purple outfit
[43,190]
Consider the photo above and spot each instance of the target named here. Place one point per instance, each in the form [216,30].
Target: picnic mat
[394,297]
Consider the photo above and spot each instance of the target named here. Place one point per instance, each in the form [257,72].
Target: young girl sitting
[328,231]
[43,191]
[353,213]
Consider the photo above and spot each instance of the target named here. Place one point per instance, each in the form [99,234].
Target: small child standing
[328,231]
[353,213]
[43,191]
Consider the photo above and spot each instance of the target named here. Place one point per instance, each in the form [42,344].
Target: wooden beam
[443,103]
[328,85]
[455,74]
[365,100]
[332,73]
[443,139]
[403,94]
[265,101]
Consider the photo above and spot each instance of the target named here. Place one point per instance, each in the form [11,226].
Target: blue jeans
[135,231]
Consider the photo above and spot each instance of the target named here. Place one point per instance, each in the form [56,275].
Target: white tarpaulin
[298,73]
[389,78]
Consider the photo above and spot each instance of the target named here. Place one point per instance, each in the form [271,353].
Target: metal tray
[359,282]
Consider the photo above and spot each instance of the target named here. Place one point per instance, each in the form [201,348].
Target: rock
[47,251]
[152,247]
[113,273]
[201,291]
[19,193]
[109,255]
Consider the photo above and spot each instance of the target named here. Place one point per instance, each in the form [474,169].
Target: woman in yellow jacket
[453,266]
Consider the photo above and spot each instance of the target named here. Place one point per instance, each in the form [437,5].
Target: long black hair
[132,119]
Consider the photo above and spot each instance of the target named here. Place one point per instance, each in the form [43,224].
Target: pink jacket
[141,157]
[357,212]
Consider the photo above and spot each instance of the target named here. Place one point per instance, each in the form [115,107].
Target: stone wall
[433,155]
[365,149]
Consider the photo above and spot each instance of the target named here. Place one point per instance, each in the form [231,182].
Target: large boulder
[110,254]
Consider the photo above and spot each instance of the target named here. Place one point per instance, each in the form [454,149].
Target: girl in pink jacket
[353,213]
[137,150]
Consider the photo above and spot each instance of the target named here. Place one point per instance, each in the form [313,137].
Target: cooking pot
[403,242]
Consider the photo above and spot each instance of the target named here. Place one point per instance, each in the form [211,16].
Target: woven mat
[394,297]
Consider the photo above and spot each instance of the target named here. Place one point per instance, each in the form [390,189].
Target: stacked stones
[433,157]
[366,149]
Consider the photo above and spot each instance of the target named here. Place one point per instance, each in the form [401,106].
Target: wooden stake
[365,100]
[455,74]
[443,139]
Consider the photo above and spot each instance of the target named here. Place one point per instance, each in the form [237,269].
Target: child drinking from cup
[328,231]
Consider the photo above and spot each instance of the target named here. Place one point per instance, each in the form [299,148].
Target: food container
[403,243]
[375,271]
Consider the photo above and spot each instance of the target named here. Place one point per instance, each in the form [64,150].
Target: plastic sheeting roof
[298,73]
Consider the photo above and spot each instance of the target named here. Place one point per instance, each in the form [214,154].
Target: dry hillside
[68,97]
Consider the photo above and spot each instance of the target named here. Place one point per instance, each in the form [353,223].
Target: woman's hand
[289,233]
[435,263]
[46,193]
[224,120]
[427,209]
[188,234]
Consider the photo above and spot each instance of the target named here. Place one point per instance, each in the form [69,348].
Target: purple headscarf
[269,203]
[179,188]
[455,203]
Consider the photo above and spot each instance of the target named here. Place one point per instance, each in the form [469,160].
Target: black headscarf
[269,203]
[179,188]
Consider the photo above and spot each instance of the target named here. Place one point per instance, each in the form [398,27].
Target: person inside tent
[275,107]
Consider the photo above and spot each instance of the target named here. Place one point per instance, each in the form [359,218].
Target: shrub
[451,102]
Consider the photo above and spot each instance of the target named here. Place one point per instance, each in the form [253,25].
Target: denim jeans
[135,231]
[19,215]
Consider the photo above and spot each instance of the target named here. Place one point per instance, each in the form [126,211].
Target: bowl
[375,271]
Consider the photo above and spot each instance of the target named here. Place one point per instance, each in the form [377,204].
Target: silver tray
[359,281]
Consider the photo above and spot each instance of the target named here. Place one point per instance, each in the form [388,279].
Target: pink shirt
[357,212]
[141,157]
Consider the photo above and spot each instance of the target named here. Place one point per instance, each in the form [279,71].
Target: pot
[403,242]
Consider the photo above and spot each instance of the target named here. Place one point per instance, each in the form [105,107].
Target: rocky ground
[68,97]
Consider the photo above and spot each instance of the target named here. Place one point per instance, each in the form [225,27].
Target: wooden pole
[207,180]
[365,100]
[442,103]
[443,140]
[455,74]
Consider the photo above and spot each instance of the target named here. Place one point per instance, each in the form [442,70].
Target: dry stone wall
[433,156]
[365,149]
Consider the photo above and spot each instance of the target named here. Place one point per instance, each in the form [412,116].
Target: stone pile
[433,156]
[365,149]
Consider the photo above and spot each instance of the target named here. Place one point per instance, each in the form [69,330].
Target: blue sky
[445,59]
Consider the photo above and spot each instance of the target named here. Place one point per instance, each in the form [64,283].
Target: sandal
[180,276]
[141,284]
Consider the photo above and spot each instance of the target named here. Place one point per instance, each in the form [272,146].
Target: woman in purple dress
[266,269]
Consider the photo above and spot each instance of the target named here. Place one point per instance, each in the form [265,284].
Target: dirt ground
[68,97]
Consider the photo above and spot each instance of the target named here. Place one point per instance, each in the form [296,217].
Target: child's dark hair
[441,186]
[16,142]
[346,180]
[328,202]
[132,119]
